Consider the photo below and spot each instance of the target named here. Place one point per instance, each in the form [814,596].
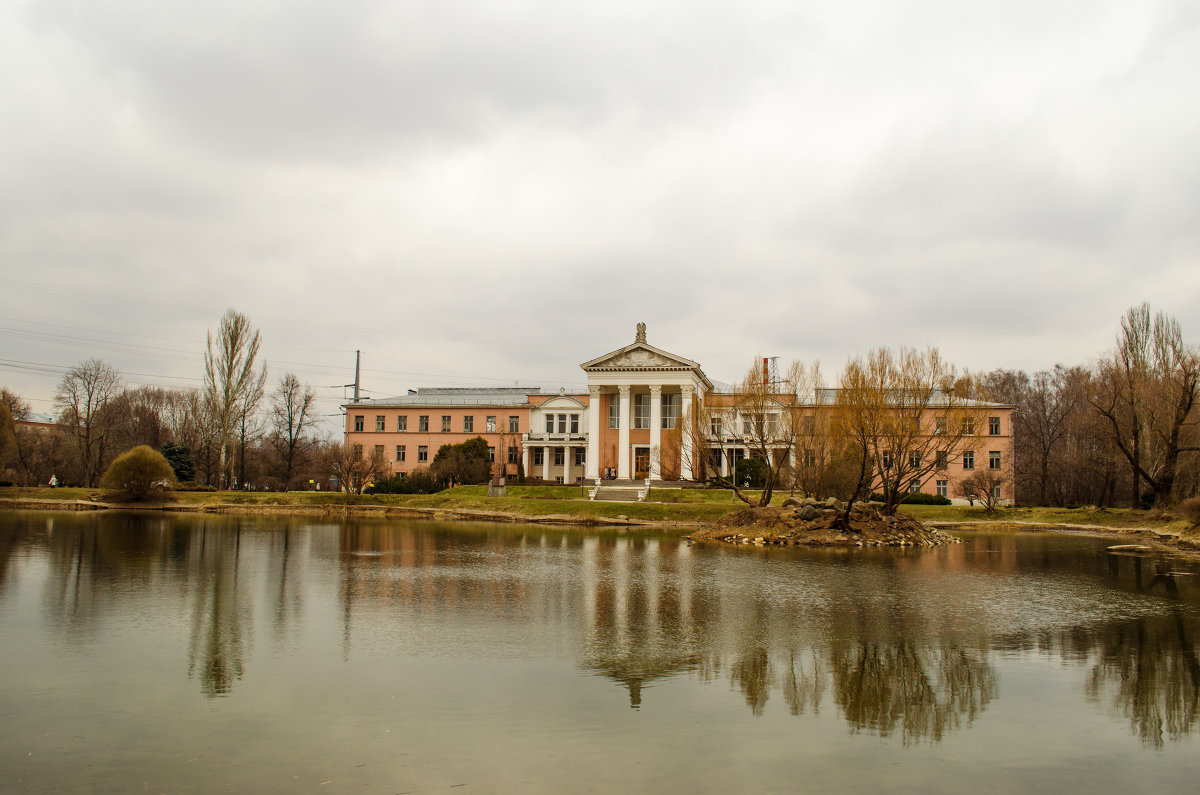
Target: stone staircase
[617,494]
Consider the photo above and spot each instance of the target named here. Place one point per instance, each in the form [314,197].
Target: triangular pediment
[639,356]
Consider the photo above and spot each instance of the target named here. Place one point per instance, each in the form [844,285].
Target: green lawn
[684,505]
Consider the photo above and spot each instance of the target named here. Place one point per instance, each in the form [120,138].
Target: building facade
[634,423]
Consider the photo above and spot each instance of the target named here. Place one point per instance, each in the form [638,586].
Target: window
[422,453]
[492,454]
[772,424]
[357,450]
[614,412]
[996,492]
[468,425]
[514,424]
[558,456]
[379,422]
[538,460]
[810,457]
[939,426]
[562,423]
[968,459]
[670,410]
[914,460]
[580,456]
[402,423]
[943,488]
[549,423]
[379,451]
[968,426]
[445,423]
[914,487]
[746,427]
[358,422]
[641,412]
[512,454]
[423,423]
[399,452]
[994,459]
[491,424]
[993,426]
[943,459]
[715,426]
[574,423]
[887,459]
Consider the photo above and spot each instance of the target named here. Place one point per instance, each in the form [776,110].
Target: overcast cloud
[483,192]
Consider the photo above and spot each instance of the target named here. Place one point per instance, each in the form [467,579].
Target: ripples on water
[277,643]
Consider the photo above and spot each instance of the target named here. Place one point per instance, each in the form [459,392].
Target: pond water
[185,653]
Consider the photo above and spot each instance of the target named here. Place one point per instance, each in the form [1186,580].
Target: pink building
[627,426]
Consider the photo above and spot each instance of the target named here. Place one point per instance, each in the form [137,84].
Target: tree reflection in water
[921,691]
[883,639]
[221,615]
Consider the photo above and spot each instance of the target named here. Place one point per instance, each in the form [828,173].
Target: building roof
[453,396]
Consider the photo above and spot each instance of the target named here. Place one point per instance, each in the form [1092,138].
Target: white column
[685,453]
[546,463]
[593,447]
[724,462]
[567,451]
[655,431]
[525,459]
[623,435]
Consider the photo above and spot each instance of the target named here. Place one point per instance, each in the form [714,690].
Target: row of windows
[641,412]
[562,423]
[559,456]
[514,423]
[513,453]
[968,426]
[809,459]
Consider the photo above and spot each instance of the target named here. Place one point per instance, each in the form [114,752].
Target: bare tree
[906,415]
[292,418]
[83,399]
[984,485]
[762,415]
[230,380]
[1145,391]
[353,470]
[19,408]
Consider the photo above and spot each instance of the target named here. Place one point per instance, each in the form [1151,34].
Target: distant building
[637,398]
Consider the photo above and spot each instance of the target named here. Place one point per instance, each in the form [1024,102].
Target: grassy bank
[570,502]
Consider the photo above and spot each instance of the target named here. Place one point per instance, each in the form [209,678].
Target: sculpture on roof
[641,333]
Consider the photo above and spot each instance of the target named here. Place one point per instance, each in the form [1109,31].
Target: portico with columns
[639,397]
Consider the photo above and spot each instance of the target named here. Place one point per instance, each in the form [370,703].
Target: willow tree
[905,415]
[232,385]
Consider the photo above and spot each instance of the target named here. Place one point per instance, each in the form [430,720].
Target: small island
[807,522]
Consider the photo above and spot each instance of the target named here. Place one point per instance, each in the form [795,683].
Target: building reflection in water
[897,644]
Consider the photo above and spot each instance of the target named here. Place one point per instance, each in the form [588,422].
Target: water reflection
[221,611]
[896,645]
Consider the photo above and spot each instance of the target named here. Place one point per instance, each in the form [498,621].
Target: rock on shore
[806,522]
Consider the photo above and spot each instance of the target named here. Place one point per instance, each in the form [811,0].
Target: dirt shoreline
[1165,540]
[363,511]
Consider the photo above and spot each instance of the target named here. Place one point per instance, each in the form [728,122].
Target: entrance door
[641,462]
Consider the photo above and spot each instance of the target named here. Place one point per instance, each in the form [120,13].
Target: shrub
[1190,508]
[752,471]
[419,481]
[915,498]
[138,473]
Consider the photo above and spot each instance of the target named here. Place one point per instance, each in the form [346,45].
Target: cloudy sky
[489,192]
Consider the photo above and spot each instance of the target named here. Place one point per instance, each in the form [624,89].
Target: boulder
[809,512]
